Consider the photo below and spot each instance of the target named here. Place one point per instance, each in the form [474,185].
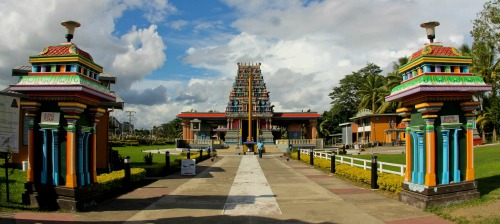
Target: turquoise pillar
[456,171]
[421,159]
[426,68]
[79,173]
[446,157]
[55,157]
[86,157]
[43,176]
[414,148]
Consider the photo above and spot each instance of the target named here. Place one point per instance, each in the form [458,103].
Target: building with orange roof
[248,100]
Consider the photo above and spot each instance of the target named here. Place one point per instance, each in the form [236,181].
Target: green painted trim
[429,127]
[416,128]
[451,126]
[48,126]
[439,80]
[62,80]
[86,129]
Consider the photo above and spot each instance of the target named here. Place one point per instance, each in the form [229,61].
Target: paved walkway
[245,189]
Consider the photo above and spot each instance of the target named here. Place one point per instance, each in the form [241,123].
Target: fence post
[298,154]
[311,157]
[201,154]
[332,165]
[374,176]
[188,155]
[167,162]
[126,167]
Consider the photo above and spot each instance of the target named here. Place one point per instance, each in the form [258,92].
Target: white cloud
[178,24]
[305,47]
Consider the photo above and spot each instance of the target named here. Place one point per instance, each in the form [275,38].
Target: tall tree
[371,92]
[486,47]
[393,79]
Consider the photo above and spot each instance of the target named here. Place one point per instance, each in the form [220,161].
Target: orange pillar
[468,108]
[408,150]
[30,176]
[31,109]
[70,153]
[430,146]
[469,170]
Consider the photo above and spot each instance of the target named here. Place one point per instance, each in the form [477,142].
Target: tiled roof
[66,49]
[435,50]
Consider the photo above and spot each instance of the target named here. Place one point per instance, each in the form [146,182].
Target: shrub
[386,181]
[109,182]
[148,158]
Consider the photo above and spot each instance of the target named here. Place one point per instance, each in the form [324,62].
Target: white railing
[363,163]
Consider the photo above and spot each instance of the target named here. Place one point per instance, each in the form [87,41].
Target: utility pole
[130,115]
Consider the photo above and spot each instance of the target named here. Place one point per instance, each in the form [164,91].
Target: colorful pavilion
[232,128]
[437,107]
[64,124]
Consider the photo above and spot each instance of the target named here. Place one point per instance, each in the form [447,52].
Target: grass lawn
[17,178]
[137,157]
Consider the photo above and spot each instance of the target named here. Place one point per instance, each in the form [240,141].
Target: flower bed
[386,181]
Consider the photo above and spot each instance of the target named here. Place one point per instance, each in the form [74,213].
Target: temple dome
[65,49]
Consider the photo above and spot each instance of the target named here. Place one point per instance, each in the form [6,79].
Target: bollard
[126,167]
[188,155]
[332,163]
[298,154]
[374,176]
[167,162]
[311,157]
[201,154]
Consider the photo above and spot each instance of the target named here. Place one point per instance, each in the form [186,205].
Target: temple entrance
[244,130]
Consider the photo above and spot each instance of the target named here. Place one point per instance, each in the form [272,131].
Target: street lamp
[430,29]
[70,27]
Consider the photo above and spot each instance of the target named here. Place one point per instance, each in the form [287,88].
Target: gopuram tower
[437,107]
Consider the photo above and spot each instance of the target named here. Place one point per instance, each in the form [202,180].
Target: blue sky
[182,55]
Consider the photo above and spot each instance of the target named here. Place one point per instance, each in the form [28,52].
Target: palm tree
[483,120]
[371,91]
[393,79]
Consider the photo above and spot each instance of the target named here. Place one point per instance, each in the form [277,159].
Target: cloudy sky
[178,55]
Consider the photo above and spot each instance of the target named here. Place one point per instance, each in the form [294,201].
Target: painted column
[86,153]
[405,112]
[71,114]
[93,154]
[43,172]
[96,113]
[468,108]
[416,151]
[456,170]
[55,157]
[430,142]
[421,161]
[469,170]
[70,153]
[80,159]
[446,157]
[31,109]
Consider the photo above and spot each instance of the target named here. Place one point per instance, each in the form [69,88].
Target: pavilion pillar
[405,112]
[468,108]
[96,113]
[429,111]
[312,127]
[31,109]
[71,114]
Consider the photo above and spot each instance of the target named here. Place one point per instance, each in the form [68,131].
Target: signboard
[450,119]
[9,124]
[50,118]
[188,167]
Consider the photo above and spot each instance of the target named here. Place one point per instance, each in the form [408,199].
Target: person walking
[260,147]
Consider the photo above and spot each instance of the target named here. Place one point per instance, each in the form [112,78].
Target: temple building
[249,118]
[64,122]
[437,101]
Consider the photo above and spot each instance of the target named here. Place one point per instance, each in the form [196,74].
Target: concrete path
[245,189]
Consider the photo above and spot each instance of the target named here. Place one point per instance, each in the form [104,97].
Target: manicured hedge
[386,181]
[109,182]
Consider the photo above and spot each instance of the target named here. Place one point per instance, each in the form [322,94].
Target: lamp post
[430,29]
[70,27]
